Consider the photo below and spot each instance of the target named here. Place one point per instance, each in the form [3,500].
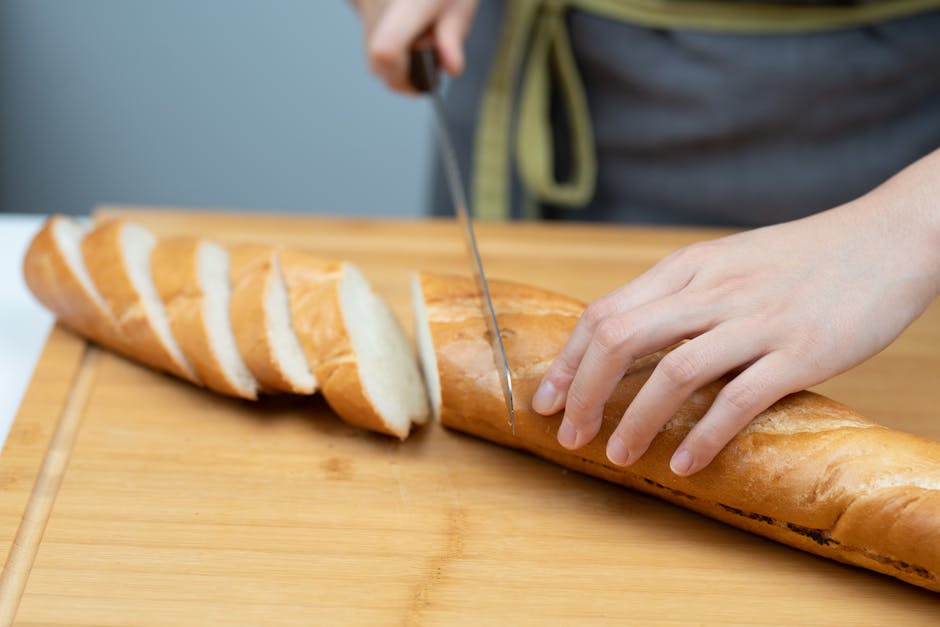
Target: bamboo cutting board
[134,498]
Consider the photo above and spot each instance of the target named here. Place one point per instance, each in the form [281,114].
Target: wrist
[909,203]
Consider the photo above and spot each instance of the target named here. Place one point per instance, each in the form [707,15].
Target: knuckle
[561,372]
[680,368]
[611,335]
[729,286]
[595,313]
[578,406]
[743,396]
[806,346]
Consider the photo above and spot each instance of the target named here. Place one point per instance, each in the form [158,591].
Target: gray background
[243,104]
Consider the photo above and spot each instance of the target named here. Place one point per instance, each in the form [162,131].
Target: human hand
[390,27]
[781,308]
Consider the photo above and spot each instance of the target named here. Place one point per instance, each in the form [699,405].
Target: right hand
[390,27]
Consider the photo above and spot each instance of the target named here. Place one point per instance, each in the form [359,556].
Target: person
[824,142]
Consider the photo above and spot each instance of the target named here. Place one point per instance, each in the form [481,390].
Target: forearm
[910,200]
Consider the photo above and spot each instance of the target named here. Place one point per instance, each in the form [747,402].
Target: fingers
[397,28]
[450,32]
[770,304]
[616,342]
[745,396]
[402,22]
[651,285]
[679,374]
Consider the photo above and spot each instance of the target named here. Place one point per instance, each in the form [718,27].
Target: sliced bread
[363,360]
[55,272]
[117,255]
[261,319]
[192,278]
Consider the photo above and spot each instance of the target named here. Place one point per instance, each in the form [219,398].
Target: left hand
[784,307]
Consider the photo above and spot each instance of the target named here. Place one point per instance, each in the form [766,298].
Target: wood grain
[36,513]
[179,506]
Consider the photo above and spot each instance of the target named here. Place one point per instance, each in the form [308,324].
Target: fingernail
[546,399]
[617,451]
[567,434]
[681,463]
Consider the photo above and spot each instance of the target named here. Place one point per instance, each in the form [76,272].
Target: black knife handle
[423,65]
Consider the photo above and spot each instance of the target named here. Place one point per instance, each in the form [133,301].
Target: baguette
[358,352]
[807,472]
[192,277]
[229,320]
[117,255]
[262,322]
[55,273]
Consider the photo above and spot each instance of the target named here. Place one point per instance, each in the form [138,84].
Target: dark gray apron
[705,128]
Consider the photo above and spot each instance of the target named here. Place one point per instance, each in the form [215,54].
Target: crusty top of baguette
[812,464]
[227,320]
[55,272]
[117,255]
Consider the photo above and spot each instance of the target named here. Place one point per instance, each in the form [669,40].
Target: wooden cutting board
[149,501]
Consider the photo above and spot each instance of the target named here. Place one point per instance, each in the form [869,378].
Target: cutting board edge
[42,446]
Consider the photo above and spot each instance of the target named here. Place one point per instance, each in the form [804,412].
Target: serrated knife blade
[424,77]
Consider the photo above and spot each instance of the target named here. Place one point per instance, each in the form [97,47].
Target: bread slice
[261,320]
[117,255]
[363,360]
[55,272]
[192,277]
[427,358]
[236,321]
[807,472]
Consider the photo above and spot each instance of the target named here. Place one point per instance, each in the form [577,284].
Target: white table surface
[24,324]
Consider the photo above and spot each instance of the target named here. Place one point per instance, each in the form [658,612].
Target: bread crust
[55,283]
[285,348]
[253,268]
[175,264]
[808,472]
[313,283]
[106,265]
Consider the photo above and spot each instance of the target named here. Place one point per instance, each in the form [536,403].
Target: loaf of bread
[238,321]
[807,472]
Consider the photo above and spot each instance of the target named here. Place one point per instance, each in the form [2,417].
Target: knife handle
[423,65]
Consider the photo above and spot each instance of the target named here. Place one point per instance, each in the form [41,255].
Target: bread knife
[423,75]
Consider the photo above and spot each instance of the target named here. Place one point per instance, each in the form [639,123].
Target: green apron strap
[491,174]
[550,55]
